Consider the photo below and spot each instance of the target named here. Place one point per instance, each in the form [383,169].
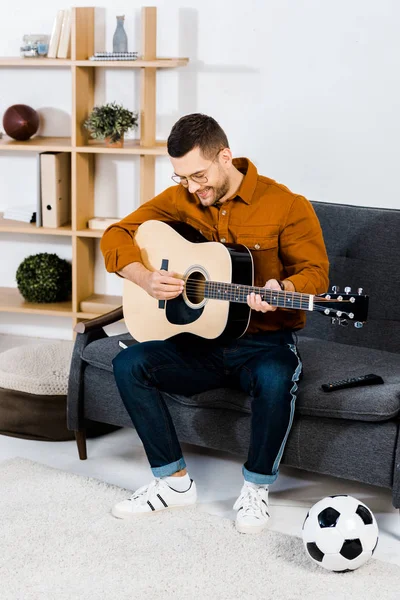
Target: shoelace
[144,493]
[251,502]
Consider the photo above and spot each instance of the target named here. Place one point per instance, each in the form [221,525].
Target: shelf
[37,144]
[63,144]
[12,301]
[15,61]
[9,226]
[158,63]
[90,233]
[129,147]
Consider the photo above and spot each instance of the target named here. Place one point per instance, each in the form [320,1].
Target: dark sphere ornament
[44,278]
[20,122]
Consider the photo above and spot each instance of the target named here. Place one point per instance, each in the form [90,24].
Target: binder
[55,177]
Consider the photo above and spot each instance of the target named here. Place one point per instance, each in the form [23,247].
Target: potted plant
[110,122]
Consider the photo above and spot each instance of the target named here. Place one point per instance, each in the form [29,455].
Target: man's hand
[255,302]
[163,285]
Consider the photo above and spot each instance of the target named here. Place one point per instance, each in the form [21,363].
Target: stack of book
[114,56]
[26,214]
[60,39]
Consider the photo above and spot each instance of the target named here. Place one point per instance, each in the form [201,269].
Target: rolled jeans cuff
[170,469]
[258,478]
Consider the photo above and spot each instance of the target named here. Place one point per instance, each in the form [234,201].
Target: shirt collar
[249,183]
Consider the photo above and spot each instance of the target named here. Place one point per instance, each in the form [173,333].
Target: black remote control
[370,379]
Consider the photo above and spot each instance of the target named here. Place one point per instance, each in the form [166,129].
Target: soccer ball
[340,533]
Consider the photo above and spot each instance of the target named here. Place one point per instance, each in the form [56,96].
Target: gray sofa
[352,433]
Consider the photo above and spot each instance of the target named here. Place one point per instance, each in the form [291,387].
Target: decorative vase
[118,144]
[120,39]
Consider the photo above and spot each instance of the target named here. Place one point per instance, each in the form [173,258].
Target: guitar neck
[238,293]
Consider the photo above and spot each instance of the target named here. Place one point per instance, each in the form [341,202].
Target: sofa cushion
[326,361]
[323,362]
[100,353]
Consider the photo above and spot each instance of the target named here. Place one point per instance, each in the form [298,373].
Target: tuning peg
[347,290]
[358,324]
[359,291]
[335,289]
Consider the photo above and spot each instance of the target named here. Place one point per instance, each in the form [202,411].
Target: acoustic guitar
[217,279]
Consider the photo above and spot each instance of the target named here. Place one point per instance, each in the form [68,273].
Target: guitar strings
[299,299]
[200,287]
[298,302]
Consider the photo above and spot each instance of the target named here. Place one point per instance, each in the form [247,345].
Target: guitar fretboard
[238,293]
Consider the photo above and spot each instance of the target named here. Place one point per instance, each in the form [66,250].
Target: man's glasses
[196,178]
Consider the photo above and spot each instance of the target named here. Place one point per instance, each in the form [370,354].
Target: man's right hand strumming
[162,285]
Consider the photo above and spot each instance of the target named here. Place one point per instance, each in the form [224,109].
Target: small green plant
[110,121]
[44,278]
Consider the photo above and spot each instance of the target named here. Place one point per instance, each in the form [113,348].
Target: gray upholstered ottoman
[33,391]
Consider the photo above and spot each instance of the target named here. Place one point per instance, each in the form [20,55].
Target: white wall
[308,89]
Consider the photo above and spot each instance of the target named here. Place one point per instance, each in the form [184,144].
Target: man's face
[216,174]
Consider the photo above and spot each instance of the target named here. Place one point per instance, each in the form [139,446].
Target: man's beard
[219,192]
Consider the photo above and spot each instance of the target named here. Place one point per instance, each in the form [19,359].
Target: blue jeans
[266,366]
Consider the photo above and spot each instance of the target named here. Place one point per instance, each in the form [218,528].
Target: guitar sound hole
[195,285]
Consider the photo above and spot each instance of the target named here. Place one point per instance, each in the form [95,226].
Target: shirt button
[223,240]
[223,212]
[257,246]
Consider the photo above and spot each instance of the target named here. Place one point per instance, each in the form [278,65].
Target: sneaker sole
[241,528]
[122,515]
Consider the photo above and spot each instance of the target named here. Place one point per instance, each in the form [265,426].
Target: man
[227,201]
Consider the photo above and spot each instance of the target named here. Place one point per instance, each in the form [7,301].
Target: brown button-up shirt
[280,229]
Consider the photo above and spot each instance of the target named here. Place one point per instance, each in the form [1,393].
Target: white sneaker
[252,507]
[156,496]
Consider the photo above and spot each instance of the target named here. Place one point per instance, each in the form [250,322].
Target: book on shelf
[126,343]
[55,34]
[25,214]
[64,45]
[55,188]
[114,56]
[100,304]
[101,223]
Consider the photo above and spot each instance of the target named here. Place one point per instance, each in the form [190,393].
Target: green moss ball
[44,278]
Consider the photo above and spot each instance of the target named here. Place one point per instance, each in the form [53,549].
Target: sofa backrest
[363,246]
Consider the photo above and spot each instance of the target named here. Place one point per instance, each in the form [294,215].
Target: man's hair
[194,131]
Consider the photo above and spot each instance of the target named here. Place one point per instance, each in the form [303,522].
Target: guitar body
[180,248]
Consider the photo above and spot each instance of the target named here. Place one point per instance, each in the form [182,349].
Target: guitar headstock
[343,308]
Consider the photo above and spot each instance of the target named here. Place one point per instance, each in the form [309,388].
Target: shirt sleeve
[302,249]
[117,243]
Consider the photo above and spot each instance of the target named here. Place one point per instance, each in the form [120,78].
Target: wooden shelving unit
[83,151]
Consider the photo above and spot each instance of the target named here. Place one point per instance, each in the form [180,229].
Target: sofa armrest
[75,400]
[396,470]
[100,322]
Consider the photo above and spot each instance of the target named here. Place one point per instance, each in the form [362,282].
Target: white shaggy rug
[58,541]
